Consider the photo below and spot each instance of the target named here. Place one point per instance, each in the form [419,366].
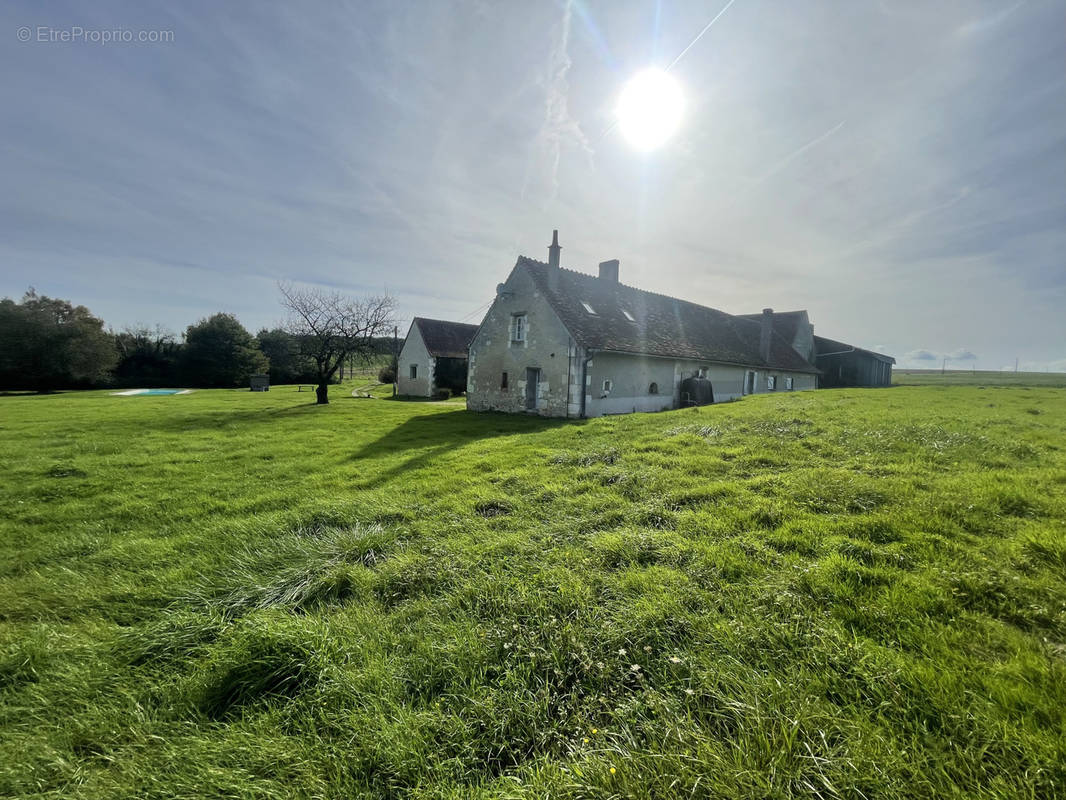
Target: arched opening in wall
[654,388]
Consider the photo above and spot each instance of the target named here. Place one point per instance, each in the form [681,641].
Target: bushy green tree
[147,357]
[219,352]
[48,344]
[287,364]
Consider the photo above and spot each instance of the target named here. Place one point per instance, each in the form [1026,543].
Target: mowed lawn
[850,593]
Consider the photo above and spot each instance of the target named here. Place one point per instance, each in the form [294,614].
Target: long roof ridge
[633,288]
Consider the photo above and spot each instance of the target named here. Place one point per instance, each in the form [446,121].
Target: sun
[649,109]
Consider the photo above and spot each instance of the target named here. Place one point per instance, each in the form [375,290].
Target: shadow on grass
[434,435]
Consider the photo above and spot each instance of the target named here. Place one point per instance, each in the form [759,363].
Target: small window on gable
[503,382]
[588,308]
[653,389]
[414,371]
[628,316]
[518,328]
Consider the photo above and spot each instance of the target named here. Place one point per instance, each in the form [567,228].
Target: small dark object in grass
[70,471]
[493,508]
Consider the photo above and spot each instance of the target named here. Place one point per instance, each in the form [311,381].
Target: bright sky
[897,168]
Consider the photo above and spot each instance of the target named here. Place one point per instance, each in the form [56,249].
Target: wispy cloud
[560,128]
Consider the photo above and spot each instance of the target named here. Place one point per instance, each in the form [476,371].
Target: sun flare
[649,109]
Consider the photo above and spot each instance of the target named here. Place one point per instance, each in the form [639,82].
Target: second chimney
[553,250]
[765,333]
[609,271]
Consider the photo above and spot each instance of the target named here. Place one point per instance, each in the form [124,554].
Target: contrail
[784,162]
[744,193]
[699,35]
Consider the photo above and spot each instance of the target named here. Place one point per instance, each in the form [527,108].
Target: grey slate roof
[662,326]
[445,339]
[825,346]
[785,322]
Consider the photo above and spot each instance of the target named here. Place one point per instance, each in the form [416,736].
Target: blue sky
[895,168]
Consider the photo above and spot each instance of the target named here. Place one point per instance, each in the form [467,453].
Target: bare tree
[330,327]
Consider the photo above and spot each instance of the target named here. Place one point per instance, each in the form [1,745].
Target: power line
[478,309]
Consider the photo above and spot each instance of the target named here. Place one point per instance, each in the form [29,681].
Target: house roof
[660,325]
[445,339]
[823,346]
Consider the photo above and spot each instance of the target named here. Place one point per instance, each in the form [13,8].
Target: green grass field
[853,593]
[986,378]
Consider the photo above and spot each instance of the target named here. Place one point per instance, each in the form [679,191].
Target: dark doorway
[450,373]
[749,383]
[532,379]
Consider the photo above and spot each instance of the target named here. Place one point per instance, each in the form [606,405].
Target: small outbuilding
[434,357]
[843,364]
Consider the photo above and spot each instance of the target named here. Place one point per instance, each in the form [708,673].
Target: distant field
[850,593]
[934,377]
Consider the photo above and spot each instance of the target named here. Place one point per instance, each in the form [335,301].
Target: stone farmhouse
[561,343]
[433,357]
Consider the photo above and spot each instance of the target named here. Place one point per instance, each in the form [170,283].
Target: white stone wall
[547,347]
[631,378]
[414,352]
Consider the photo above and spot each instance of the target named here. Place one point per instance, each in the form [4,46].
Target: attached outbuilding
[844,364]
[839,364]
[434,357]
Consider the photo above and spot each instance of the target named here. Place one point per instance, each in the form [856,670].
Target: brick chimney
[609,271]
[765,333]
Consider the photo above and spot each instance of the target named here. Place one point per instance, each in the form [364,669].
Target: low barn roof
[823,346]
[445,339]
[660,325]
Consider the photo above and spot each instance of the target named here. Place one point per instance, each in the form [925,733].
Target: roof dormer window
[628,315]
[588,308]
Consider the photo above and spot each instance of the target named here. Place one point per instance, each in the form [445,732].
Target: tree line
[48,344]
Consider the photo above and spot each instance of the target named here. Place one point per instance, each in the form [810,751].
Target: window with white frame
[788,384]
[518,327]
[771,382]
[607,386]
